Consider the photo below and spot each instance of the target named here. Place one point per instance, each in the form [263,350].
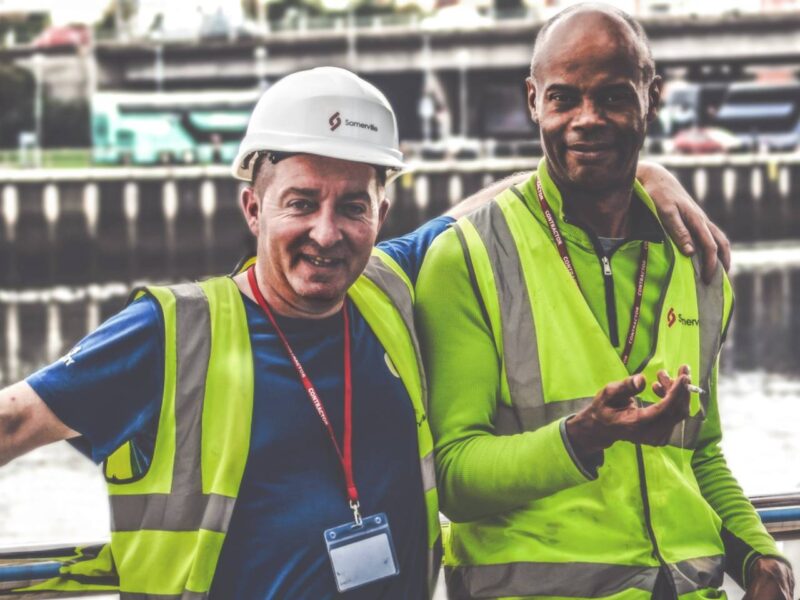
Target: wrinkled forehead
[324,174]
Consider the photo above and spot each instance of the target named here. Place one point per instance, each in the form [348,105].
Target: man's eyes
[562,97]
[610,97]
[354,209]
[616,97]
[302,205]
[348,209]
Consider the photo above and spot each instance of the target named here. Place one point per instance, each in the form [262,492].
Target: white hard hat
[325,111]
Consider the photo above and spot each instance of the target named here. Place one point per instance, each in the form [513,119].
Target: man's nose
[589,115]
[325,230]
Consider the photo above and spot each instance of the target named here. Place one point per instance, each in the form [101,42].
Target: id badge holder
[361,553]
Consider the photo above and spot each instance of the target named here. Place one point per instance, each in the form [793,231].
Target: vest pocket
[130,462]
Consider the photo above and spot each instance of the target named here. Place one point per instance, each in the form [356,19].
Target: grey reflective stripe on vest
[428,472]
[711,313]
[580,580]
[166,512]
[520,351]
[685,433]
[396,289]
[710,309]
[698,573]
[505,422]
[186,508]
[193,333]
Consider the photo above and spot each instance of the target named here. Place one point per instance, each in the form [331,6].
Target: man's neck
[607,216]
[605,212]
[281,307]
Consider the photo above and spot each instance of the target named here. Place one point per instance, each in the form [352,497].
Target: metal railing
[779,513]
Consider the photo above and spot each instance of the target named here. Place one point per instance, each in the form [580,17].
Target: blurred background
[118,119]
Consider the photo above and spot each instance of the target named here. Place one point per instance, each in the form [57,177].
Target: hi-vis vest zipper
[168,524]
[644,513]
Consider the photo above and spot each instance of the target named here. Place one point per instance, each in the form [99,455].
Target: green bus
[146,128]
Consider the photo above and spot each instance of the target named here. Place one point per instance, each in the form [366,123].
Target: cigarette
[696,389]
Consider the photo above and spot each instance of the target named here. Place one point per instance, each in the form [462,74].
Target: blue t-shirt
[109,390]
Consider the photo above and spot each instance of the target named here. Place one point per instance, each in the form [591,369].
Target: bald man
[562,286]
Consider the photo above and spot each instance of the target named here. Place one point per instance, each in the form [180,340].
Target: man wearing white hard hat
[265,435]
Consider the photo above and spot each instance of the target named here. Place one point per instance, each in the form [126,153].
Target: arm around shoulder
[486,194]
[686,223]
[26,422]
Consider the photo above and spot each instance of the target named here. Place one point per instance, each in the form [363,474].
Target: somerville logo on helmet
[672,317]
[335,121]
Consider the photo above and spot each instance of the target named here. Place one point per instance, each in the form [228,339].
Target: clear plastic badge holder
[361,554]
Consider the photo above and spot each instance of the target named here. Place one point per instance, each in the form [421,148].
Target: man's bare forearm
[651,175]
[26,422]
[485,195]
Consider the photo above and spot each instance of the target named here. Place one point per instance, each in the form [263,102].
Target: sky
[62,11]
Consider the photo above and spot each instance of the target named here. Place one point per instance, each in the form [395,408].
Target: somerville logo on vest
[673,317]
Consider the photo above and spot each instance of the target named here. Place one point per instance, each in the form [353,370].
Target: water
[51,495]
[760,414]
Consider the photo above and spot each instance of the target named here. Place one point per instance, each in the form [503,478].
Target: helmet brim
[342,149]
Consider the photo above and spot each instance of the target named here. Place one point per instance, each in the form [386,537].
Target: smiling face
[316,223]
[591,101]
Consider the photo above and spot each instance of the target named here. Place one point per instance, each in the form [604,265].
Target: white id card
[361,554]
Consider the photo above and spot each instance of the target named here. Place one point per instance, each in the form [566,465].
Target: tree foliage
[23,27]
[65,124]
[285,9]
[17,88]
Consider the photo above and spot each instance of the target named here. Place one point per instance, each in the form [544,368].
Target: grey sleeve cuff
[589,469]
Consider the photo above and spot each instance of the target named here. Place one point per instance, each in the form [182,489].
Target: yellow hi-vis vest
[168,525]
[644,513]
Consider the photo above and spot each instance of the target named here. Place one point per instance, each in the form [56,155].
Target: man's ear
[383,212]
[251,207]
[531,86]
[654,98]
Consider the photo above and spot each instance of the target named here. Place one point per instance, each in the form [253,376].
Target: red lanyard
[562,250]
[637,303]
[346,456]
